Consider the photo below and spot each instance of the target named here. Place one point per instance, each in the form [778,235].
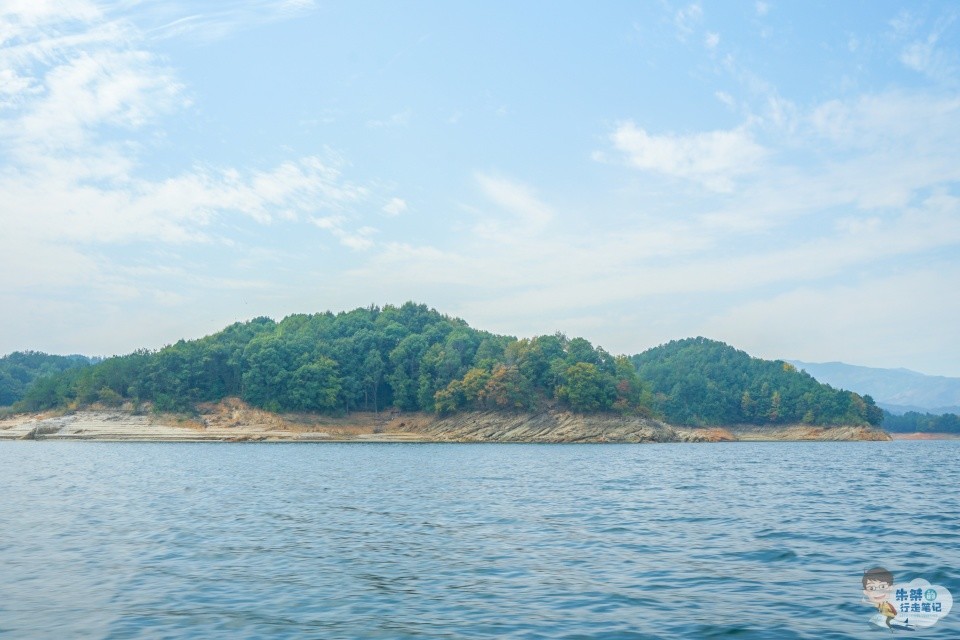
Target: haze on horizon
[779,176]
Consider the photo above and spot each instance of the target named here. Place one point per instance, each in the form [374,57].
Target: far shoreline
[234,421]
[924,436]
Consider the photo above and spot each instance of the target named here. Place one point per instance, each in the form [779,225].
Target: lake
[739,540]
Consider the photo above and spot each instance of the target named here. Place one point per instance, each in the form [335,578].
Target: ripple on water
[754,540]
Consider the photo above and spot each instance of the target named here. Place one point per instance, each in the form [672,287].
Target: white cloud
[529,212]
[215,21]
[14,88]
[930,59]
[81,89]
[295,6]
[68,78]
[870,152]
[401,266]
[916,122]
[65,206]
[713,158]
[328,222]
[358,240]
[572,269]
[905,23]
[725,98]
[119,88]
[848,321]
[891,206]
[687,19]
[711,40]
[762,8]
[927,51]
[399,119]
[918,55]
[20,17]
[665,263]
[395,207]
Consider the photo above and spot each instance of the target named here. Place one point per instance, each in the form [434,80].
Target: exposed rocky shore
[232,420]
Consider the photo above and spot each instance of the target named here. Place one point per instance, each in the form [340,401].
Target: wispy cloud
[713,158]
[359,239]
[528,214]
[395,207]
[926,56]
[795,317]
[926,46]
[780,219]
[687,19]
[81,88]
[399,119]
[725,98]
[214,22]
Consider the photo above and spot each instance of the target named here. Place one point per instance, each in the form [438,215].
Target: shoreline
[924,436]
[233,421]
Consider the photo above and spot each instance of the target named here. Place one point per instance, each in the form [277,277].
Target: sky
[781,176]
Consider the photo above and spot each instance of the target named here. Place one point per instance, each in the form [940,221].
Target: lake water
[744,540]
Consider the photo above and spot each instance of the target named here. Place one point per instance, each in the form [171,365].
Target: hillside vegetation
[409,357]
[413,358]
[703,382]
[19,370]
[916,422]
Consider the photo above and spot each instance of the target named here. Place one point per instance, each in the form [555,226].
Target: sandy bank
[234,421]
[925,436]
[801,432]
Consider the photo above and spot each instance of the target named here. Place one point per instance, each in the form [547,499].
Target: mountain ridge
[897,390]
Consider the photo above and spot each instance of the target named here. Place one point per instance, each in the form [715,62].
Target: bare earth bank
[925,436]
[233,420]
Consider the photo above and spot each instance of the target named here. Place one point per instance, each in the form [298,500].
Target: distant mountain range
[896,390]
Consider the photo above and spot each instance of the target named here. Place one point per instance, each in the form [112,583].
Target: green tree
[405,377]
[373,367]
[587,389]
[314,386]
[507,389]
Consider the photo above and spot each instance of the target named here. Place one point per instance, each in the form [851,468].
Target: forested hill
[20,369]
[703,382]
[409,357]
[415,359]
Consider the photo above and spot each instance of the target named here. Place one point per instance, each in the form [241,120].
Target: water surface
[743,540]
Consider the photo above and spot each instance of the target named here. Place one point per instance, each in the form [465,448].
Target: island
[409,373]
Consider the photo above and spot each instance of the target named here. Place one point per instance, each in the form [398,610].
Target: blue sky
[782,176]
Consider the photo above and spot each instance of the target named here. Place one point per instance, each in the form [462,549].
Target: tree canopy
[19,370]
[413,358]
[916,422]
[703,382]
[409,357]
